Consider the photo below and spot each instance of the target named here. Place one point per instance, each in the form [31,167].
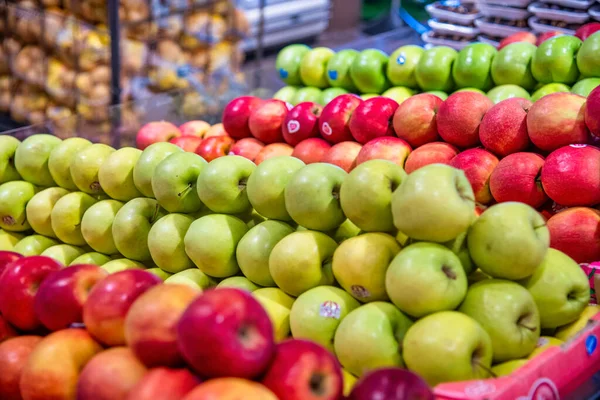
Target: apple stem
[242,184]
[184,191]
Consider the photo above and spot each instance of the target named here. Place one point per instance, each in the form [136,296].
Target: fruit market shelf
[558,373]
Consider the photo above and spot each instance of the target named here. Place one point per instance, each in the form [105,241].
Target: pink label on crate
[542,389]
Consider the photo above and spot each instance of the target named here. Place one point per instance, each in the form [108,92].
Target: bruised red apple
[60,297]
[6,257]
[557,120]
[343,155]
[154,132]
[478,165]
[236,116]
[14,354]
[237,335]
[311,150]
[391,384]
[389,148]
[459,117]
[517,177]
[164,384]
[6,330]
[518,37]
[247,148]
[230,389]
[194,128]
[542,37]
[19,284]
[584,31]
[592,112]
[214,147]
[415,119]
[187,143]
[302,122]
[216,130]
[430,153]
[273,150]
[301,370]
[373,118]
[503,130]
[267,120]
[335,118]
[109,301]
[576,232]
[571,175]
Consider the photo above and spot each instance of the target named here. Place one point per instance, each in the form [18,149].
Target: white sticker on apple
[293,126]
[578,146]
[326,129]
[330,309]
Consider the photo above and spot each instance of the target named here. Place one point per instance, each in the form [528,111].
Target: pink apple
[385,148]
[459,117]
[302,122]
[266,121]
[576,232]
[273,150]
[6,257]
[164,384]
[302,369]
[237,113]
[391,384]
[194,128]
[187,143]
[527,37]
[415,119]
[592,112]
[430,153]
[478,165]
[247,148]
[18,286]
[216,130]
[334,120]
[584,31]
[557,120]
[542,37]
[215,147]
[373,118]
[154,132]
[503,130]
[230,389]
[237,335]
[6,330]
[14,354]
[311,150]
[343,155]
[517,178]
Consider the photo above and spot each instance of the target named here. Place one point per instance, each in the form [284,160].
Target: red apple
[430,153]
[586,30]
[214,147]
[334,120]
[592,112]
[154,132]
[194,128]
[503,130]
[230,389]
[266,121]
[14,354]
[385,148]
[343,155]
[542,37]
[478,165]
[304,370]
[164,384]
[109,301]
[415,119]
[18,286]
[516,38]
[311,150]
[216,130]
[517,178]
[6,257]
[571,175]
[60,297]
[391,384]
[110,375]
[459,117]
[187,143]
[237,335]
[373,118]
[236,115]
[6,330]
[557,120]
[273,150]
[247,148]
[576,232]
[302,122]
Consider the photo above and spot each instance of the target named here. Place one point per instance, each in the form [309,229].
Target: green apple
[39,210]
[434,70]
[448,346]
[508,367]
[313,67]
[567,332]
[211,243]
[96,226]
[508,313]
[368,96]
[585,86]
[370,337]
[301,261]
[160,273]
[548,89]
[63,253]
[345,231]
[67,215]
[338,69]
[14,196]
[470,89]
[416,204]
[425,278]
[31,159]
[116,174]
[554,60]
[121,264]
[438,93]
[459,246]
[304,94]
[403,64]
[174,182]
[255,247]
[85,166]
[59,162]
[91,258]
[288,63]
[366,194]
[503,92]
[560,289]
[286,93]
[8,148]
[329,94]
[368,71]
[165,242]
[317,313]
[253,219]
[8,240]
[192,277]
[238,282]
[278,306]
[588,56]
[267,183]
[512,65]
[473,65]
[398,93]
[312,196]
[149,159]
[131,227]
[34,245]
[509,240]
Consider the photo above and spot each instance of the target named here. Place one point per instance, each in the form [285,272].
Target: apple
[59,162]
[31,159]
[335,118]
[548,89]
[313,67]
[147,162]
[503,129]
[286,93]
[373,118]
[385,148]
[560,289]
[8,171]
[472,67]
[174,182]
[301,261]
[434,70]
[273,150]
[67,215]
[165,242]
[368,71]
[307,95]
[14,196]
[554,60]
[430,153]
[154,132]
[516,38]
[585,31]
[459,117]
[512,65]
[14,354]
[85,166]
[238,282]
[508,367]
[517,178]
[164,384]
[34,245]
[585,86]
[121,264]
[267,119]
[8,240]
[230,389]
[39,210]
[503,92]
[588,60]
[96,226]
[575,232]
[288,63]
[402,66]
[63,253]
[311,150]
[187,143]
[343,155]
[478,165]
[278,305]
[543,344]
[236,115]
[424,190]
[338,70]
[248,148]
[544,36]
[194,128]
[592,112]
[399,94]
[392,384]
[415,119]
[92,258]
[569,331]
[7,257]
[214,147]
[301,123]
[116,174]
[192,277]
[329,94]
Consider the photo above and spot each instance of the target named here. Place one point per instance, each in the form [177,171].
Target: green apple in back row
[8,240]
[63,253]
[165,242]
[96,226]
[174,182]
[288,63]
[149,159]
[438,93]
[8,147]
[588,56]
[368,71]
[85,166]
[238,282]
[14,197]
[278,305]
[434,70]
[329,94]
[67,215]
[304,94]
[585,86]
[503,92]
[60,159]
[34,245]
[398,94]
[512,65]
[549,89]
[472,67]
[39,210]
[554,60]
[116,174]
[313,67]
[286,93]
[192,277]
[338,69]
[159,273]
[121,264]
[91,258]
[31,159]
[402,65]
